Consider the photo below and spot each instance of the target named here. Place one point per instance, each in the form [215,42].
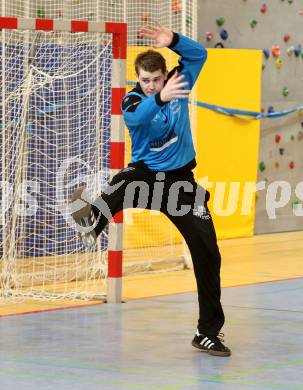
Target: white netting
[56,118]
[65,9]
[55,133]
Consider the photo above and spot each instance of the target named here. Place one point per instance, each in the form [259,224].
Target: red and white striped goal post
[117,146]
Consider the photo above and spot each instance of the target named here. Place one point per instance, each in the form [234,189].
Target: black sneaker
[211,344]
[85,218]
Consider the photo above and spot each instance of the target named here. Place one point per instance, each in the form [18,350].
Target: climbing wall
[275,27]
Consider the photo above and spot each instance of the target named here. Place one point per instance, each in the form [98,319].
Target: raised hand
[161,35]
[173,88]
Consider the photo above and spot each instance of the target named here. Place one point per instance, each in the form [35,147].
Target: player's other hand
[173,89]
[162,36]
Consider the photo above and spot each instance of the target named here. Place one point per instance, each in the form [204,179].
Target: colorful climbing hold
[253,23]
[277,164]
[224,34]
[266,53]
[298,50]
[295,204]
[270,110]
[176,6]
[263,8]
[209,36]
[277,138]
[291,165]
[278,63]
[285,91]
[286,38]
[281,151]
[145,17]
[220,21]
[292,137]
[41,13]
[276,51]
[189,21]
[290,50]
[262,166]
[290,1]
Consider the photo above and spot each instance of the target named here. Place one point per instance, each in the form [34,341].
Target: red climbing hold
[277,138]
[276,51]
[209,36]
[291,165]
[176,6]
[145,17]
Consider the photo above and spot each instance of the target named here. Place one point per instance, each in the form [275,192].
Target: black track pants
[137,186]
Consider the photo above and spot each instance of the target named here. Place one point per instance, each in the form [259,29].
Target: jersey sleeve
[192,57]
[139,111]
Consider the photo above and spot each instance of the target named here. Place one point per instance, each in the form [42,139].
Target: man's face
[151,82]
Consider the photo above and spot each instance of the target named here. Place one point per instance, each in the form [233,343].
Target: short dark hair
[150,61]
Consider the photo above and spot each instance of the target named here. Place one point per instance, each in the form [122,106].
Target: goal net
[55,135]
[55,125]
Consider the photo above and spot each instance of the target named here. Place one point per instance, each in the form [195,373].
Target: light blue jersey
[160,131]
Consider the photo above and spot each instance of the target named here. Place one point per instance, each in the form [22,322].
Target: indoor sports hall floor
[145,343]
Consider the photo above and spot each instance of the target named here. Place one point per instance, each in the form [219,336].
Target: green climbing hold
[295,204]
[285,91]
[189,21]
[290,1]
[253,23]
[262,166]
[292,137]
[220,21]
[41,13]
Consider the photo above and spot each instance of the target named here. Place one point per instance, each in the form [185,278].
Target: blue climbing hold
[224,34]
[270,110]
[266,53]
[298,50]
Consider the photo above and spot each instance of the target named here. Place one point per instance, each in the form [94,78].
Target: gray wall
[280,18]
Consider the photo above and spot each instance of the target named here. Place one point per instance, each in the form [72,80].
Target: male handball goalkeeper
[163,156]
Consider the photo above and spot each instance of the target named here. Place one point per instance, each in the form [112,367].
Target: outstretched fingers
[180,85]
[147,33]
[161,35]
